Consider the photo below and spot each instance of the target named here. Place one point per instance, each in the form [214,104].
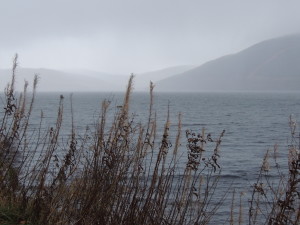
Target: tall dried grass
[119,172]
[277,201]
[123,172]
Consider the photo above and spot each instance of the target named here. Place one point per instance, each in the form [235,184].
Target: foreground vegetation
[123,172]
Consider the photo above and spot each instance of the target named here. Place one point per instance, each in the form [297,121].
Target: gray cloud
[133,35]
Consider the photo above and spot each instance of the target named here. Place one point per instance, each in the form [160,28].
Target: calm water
[254,122]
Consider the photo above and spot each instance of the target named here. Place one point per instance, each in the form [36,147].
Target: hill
[271,65]
[55,80]
[84,80]
[141,80]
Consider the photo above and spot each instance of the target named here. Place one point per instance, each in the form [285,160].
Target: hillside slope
[141,80]
[55,80]
[271,65]
[84,80]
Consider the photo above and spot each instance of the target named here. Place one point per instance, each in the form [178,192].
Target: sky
[134,36]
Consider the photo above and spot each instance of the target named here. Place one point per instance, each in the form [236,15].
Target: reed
[123,172]
[278,201]
[117,172]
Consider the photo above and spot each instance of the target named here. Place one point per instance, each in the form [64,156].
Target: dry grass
[118,172]
[277,201]
[123,172]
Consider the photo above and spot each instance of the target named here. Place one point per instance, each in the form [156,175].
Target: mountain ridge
[246,70]
[53,80]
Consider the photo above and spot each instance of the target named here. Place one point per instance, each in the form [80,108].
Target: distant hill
[118,81]
[84,80]
[271,65]
[54,80]
[142,81]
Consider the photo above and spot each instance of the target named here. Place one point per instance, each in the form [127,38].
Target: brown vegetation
[116,173]
[123,172]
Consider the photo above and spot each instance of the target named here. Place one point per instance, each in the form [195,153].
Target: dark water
[254,122]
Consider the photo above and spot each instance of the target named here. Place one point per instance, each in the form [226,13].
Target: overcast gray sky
[124,36]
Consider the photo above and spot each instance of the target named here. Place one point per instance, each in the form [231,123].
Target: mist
[123,37]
